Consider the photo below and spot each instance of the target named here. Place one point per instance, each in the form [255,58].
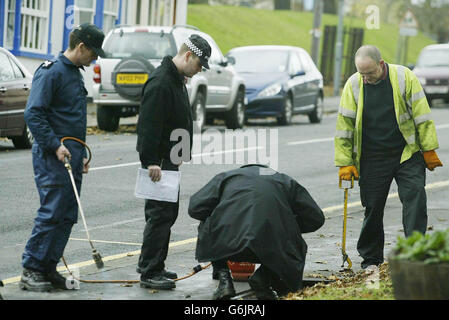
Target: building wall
[62,15]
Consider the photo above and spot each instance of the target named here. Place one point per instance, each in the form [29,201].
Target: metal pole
[316,32]
[404,62]
[339,49]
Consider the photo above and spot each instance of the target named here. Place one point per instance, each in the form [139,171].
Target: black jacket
[247,210]
[164,107]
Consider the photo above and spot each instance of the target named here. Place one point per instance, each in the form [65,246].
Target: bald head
[369,63]
[369,51]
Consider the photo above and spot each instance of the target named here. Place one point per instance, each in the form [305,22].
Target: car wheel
[287,115]
[199,111]
[317,114]
[136,64]
[25,141]
[235,118]
[107,118]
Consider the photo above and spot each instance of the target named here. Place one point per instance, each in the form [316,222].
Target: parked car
[15,85]
[132,53]
[281,81]
[432,70]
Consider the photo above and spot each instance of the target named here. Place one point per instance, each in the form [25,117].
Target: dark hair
[184,48]
[73,41]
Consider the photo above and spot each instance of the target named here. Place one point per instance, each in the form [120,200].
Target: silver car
[132,53]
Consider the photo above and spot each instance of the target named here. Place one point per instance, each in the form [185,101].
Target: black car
[280,81]
[15,85]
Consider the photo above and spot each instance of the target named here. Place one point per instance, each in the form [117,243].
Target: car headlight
[272,90]
[422,81]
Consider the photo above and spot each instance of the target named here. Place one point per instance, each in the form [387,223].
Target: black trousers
[376,174]
[160,217]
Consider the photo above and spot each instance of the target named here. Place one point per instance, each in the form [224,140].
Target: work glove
[346,173]
[432,160]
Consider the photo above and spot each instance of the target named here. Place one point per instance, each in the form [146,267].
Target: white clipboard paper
[167,189]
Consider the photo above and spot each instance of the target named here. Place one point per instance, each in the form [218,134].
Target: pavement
[320,263]
[200,286]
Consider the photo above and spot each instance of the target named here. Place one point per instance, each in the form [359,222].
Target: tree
[431,15]
[282,5]
[330,6]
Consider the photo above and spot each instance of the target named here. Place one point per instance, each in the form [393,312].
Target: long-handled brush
[95,254]
[345,216]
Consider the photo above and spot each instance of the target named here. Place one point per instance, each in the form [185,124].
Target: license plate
[131,78]
[437,89]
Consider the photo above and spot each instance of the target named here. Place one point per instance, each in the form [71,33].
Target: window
[110,14]
[294,65]
[34,25]
[6,71]
[10,23]
[84,11]
[145,44]
[17,72]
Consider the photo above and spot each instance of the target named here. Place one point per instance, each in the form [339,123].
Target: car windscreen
[145,44]
[434,58]
[260,61]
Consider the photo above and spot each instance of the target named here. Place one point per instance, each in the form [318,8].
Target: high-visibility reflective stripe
[410,139]
[344,134]
[415,97]
[355,87]
[422,118]
[346,112]
[404,117]
[401,80]
[355,149]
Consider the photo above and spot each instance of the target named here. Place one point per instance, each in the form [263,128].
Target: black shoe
[225,289]
[157,281]
[170,274]
[57,280]
[215,274]
[260,284]
[167,273]
[33,280]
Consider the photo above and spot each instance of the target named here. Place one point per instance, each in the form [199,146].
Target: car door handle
[3,90]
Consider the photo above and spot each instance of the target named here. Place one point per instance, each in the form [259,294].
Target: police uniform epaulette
[47,64]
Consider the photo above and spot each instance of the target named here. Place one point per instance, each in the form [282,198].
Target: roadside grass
[359,286]
[240,26]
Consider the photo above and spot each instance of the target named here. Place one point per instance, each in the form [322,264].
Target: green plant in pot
[419,266]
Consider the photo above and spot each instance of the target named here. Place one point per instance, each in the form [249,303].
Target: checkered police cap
[199,47]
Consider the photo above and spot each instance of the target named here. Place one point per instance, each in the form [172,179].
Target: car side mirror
[297,74]
[231,60]
[224,62]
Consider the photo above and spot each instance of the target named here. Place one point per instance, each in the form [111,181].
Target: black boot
[225,289]
[157,281]
[57,280]
[33,280]
[167,273]
[260,283]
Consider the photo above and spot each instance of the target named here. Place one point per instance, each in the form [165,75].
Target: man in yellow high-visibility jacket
[385,131]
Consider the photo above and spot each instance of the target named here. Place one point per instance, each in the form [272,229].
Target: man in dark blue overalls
[56,108]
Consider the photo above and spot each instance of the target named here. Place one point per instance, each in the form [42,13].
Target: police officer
[164,108]
[385,131]
[56,108]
